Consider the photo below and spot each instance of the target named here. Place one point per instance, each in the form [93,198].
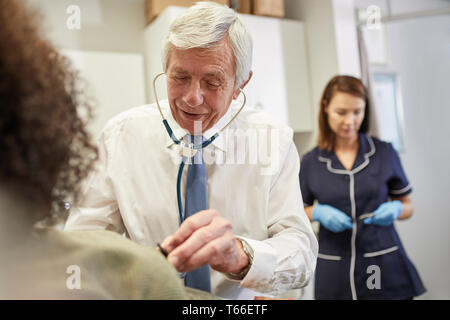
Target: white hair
[205,24]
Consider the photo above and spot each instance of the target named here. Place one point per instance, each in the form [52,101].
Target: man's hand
[205,238]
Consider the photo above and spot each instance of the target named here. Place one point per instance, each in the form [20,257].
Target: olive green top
[88,265]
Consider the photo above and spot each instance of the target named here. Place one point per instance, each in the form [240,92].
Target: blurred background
[400,48]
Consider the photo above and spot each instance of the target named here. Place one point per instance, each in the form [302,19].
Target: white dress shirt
[252,177]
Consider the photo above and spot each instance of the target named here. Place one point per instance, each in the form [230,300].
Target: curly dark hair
[45,149]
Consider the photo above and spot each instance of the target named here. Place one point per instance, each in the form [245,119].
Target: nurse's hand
[386,214]
[205,238]
[331,218]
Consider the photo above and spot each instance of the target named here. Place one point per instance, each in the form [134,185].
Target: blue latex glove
[331,218]
[386,214]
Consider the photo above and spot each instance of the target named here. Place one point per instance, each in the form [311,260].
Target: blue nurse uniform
[348,261]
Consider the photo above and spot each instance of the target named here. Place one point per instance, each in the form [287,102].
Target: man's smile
[191,116]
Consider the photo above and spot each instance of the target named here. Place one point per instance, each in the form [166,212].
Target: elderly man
[243,228]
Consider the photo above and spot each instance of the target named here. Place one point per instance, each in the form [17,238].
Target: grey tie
[197,200]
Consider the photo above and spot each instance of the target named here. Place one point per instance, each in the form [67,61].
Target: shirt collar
[179,132]
[365,150]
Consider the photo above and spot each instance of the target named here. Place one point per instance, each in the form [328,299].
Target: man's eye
[180,78]
[213,84]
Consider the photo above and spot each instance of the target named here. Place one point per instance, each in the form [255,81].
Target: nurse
[354,185]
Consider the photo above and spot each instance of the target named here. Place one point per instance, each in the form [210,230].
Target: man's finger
[165,243]
[200,238]
[216,253]
[188,227]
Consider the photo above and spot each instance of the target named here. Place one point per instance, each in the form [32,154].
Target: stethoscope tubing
[193,146]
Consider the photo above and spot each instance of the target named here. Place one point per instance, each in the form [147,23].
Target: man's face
[201,84]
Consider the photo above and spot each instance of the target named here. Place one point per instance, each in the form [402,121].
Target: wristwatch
[249,252]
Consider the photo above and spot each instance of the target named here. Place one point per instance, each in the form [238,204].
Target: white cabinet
[280,71]
[280,83]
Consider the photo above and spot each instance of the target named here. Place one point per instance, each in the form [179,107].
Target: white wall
[108,49]
[346,37]
[398,7]
[419,51]
[116,82]
[106,25]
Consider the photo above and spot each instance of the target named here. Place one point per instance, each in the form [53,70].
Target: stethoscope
[188,150]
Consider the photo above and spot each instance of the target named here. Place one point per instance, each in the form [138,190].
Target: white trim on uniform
[379,253]
[351,174]
[358,168]
[407,188]
[329,257]
[353,242]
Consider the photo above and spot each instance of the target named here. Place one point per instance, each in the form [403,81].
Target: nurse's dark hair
[345,84]
[45,149]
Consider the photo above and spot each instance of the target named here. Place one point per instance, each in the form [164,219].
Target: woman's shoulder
[380,145]
[311,154]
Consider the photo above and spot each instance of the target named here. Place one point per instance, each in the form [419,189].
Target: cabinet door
[280,83]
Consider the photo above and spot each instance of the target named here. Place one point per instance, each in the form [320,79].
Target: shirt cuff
[263,266]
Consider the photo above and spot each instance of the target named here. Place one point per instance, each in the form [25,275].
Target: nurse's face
[201,84]
[345,115]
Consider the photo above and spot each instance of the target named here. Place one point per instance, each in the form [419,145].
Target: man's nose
[194,94]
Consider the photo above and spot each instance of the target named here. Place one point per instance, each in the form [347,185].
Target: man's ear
[237,91]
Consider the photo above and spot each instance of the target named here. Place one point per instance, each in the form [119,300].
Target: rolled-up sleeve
[287,259]
[97,208]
